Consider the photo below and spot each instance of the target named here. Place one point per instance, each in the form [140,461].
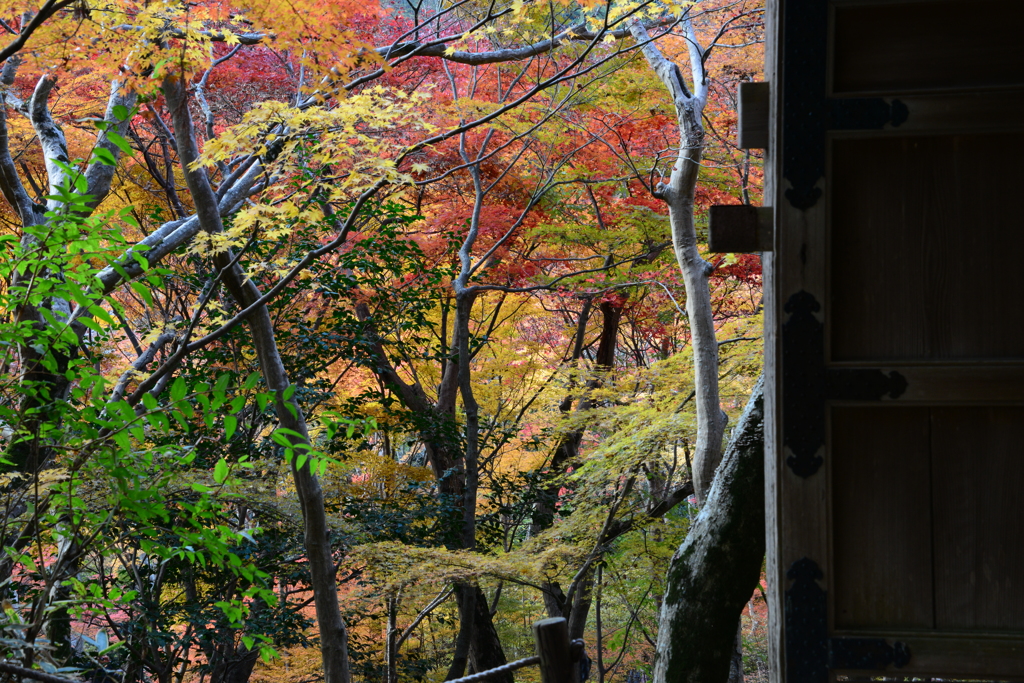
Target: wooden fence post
[556,661]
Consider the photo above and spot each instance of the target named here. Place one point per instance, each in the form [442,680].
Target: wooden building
[895,339]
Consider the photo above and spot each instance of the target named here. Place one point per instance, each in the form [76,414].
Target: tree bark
[581,602]
[333,633]
[45,387]
[715,570]
[233,662]
[679,194]
[736,663]
[465,597]
[485,651]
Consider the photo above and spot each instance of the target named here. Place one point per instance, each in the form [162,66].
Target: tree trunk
[465,597]
[333,634]
[679,194]
[485,651]
[736,664]
[566,454]
[239,670]
[477,643]
[581,601]
[715,570]
[391,641]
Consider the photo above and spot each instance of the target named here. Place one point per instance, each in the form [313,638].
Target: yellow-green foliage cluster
[395,565]
[338,152]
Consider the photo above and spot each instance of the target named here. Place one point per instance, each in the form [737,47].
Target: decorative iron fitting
[866,654]
[866,113]
[810,653]
[809,114]
[806,625]
[863,384]
[803,384]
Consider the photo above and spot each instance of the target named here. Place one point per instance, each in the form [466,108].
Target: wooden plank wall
[978,510]
[896,47]
[915,234]
[882,552]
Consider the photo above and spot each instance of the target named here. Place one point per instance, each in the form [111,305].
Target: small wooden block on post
[754,114]
[740,229]
[556,662]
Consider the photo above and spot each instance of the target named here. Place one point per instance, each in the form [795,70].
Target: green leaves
[230,424]
[104,156]
[221,471]
[178,389]
[121,143]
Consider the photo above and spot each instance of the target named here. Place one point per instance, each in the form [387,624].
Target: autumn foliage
[403,268]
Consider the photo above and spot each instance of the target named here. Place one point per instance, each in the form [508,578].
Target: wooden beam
[740,228]
[754,111]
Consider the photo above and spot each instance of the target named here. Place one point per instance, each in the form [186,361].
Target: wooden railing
[558,657]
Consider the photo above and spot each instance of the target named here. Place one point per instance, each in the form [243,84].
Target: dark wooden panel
[980,658]
[978,479]
[952,384]
[900,47]
[917,226]
[753,114]
[881,524]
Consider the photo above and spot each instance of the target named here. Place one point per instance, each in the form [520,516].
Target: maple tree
[252,313]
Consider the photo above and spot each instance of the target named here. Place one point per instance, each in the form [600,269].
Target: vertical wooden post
[556,662]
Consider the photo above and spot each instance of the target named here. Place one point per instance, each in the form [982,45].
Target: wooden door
[895,339]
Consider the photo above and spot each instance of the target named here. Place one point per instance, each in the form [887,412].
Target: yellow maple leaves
[397,565]
[335,151]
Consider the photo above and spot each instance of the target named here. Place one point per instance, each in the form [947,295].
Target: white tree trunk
[687,652]
[679,193]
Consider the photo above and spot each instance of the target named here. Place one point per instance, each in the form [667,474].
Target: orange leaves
[139,40]
[329,34]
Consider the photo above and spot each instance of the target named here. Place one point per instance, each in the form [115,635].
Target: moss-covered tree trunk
[715,570]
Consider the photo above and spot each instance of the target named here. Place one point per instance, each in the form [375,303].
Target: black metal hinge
[866,654]
[810,653]
[863,384]
[803,384]
[808,113]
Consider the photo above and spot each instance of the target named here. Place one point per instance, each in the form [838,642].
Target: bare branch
[173,234]
[422,615]
[140,364]
[215,36]
[45,12]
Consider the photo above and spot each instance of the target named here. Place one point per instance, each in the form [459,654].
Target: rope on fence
[576,650]
[497,671]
